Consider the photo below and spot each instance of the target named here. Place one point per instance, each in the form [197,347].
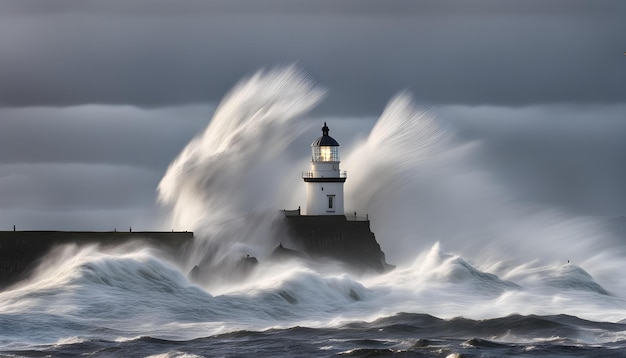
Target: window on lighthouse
[326,154]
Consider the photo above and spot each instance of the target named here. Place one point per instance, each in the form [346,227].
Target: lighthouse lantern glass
[325,154]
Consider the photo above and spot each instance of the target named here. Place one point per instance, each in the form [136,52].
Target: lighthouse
[322,230]
[324,181]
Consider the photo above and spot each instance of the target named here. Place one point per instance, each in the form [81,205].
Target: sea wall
[334,237]
[22,251]
[318,238]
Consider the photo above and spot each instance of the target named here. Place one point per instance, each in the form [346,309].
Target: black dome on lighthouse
[325,140]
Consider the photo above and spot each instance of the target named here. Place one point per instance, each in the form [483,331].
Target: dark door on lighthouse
[331,202]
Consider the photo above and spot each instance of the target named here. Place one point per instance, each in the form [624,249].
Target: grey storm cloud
[114,135]
[89,167]
[74,186]
[162,53]
[98,97]
[565,155]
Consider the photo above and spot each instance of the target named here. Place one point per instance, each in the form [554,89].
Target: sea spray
[100,292]
[232,166]
[417,180]
[383,169]
[236,167]
[448,286]
[420,183]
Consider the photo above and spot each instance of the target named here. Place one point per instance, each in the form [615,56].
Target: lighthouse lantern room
[324,182]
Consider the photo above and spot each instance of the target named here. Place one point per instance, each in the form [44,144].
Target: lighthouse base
[334,237]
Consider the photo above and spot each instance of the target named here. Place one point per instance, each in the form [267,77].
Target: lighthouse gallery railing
[324,174]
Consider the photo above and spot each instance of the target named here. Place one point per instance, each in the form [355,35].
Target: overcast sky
[98,97]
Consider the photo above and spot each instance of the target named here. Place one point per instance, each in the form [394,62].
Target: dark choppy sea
[403,335]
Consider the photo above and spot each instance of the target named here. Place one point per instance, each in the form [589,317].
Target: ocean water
[478,274]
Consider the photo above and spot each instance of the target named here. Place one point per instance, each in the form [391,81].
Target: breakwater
[22,251]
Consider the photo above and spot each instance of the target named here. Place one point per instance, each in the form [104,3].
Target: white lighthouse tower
[324,182]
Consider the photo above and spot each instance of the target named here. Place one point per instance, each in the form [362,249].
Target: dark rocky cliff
[336,238]
[21,251]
